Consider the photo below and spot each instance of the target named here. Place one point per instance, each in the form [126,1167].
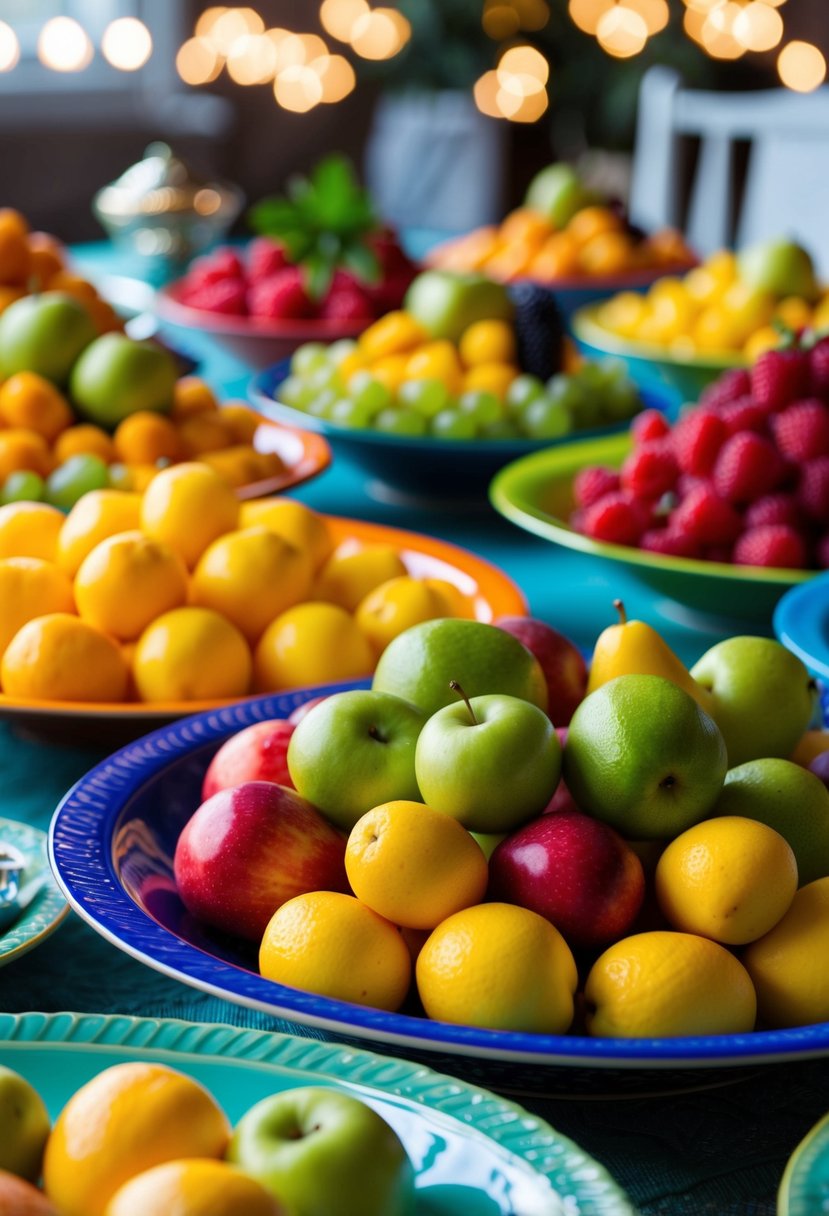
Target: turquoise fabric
[707,1150]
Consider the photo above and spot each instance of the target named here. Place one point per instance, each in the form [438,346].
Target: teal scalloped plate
[47,909]
[474,1154]
[804,1187]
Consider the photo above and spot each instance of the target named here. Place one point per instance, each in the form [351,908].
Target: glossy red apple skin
[257,753]
[562,662]
[575,871]
[248,849]
[296,715]
[562,799]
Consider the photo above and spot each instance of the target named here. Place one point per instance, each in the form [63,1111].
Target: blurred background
[448,107]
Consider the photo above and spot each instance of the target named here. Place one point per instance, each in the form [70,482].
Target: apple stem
[620,608]
[455,686]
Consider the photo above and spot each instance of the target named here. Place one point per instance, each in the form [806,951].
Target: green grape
[451,424]
[292,391]
[74,478]
[503,428]
[320,405]
[427,397]
[351,413]
[324,377]
[370,394]
[594,375]
[340,350]
[399,421]
[309,358]
[522,391]
[482,408]
[621,400]
[546,419]
[22,486]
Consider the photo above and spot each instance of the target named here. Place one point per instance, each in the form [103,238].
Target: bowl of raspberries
[722,508]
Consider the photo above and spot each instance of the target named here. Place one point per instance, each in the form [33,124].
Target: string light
[338,17]
[758,27]
[9,48]
[252,59]
[622,32]
[197,62]
[380,34]
[654,13]
[127,44]
[587,14]
[717,35]
[64,46]
[801,67]
[298,88]
[336,75]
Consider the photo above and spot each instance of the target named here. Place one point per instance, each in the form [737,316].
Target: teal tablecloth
[717,1151]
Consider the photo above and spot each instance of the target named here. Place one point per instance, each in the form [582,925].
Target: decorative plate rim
[49,908]
[802,1157]
[81,855]
[565,1165]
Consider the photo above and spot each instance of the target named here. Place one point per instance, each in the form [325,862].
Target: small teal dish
[801,622]
[112,841]
[804,1187]
[408,468]
[675,378]
[48,908]
[474,1154]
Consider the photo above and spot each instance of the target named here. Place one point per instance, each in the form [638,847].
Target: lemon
[187,506]
[396,605]
[355,569]
[292,520]
[59,657]
[128,580]
[191,654]
[788,964]
[309,644]
[94,517]
[193,1187]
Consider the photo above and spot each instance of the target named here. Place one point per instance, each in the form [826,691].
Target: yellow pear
[635,648]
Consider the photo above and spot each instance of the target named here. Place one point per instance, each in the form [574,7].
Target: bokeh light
[197,62]
[654,13]
[758,27]
[532,14]
[621,32]
[587,14]
[298,88]
[223,26]
[380,34]
[252,59]
[9,47]
[801,67]
[64,46]
[336,75]
[517,97]
[500,20]
[526,63]
[717,34]
[127,44]
[338,17]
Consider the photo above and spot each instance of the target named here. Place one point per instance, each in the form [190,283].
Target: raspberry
[649,424]
[392,257]
[215,266]
[813,489]
[347,303]
[706,517]
[226,296]
[819,368]
[281,296]
[613,518]
[778,377]
[265,257]
[744,414]
[669,541]
[592,483]
[771,545]
[650,470]
[779,508]
[698,437]
[801,431]
[718,553]
[747,467]
[728,387]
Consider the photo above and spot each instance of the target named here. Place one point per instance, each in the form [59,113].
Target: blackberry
[539,330]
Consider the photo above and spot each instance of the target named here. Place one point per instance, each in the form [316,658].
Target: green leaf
[362,262]
[319,271]
[272,216]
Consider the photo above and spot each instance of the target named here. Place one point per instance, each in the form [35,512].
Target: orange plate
[492,591]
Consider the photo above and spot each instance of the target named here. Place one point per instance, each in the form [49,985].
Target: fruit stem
[620,608]
[455,686]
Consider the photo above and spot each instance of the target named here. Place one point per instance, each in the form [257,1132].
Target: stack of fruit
[742,477]
[122,598]
[563,231]
[730,305]
[144,1139]
[464,359]
[678,881]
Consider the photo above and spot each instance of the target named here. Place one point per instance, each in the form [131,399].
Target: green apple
[788,798]
[644,757]
[117,376]
[446,303]
[355,750]
[421,663]
[24,1126]
[491,762]
[44,333]
[323,1152]
[557,193]
[763,696]
[779,267]
[488,841]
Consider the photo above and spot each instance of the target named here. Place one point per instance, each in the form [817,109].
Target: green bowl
[536,493]
[679,378]
[804,1187]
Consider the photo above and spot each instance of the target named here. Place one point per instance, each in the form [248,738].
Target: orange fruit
[128,580]
[193,1187]
[191,395]
[127,1119]
[23,449]
[95,516]
[251,576]
[81,440]
[9,294]
[524,224]
[46,257]
[59,657]
[311,643]
[30,529]
[291,519]
[204,433]
[390,371]
[104,317]
[488,342]
[15,261]
[414,865]
[240,420]
[30,587]
[591,222]
[396,605]
[395,333]
[170,664]
[241,465]
[146,437]
[436,360]
[498,966]
[490,378]
[73,285]
[557,258]
[354,569]
[187,507]
[333,945]
[31,402]
[607,253]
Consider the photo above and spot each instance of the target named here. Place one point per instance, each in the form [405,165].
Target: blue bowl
[801,622]
[111,843]
[401,467]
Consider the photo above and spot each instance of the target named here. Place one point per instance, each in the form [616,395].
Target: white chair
[690,168]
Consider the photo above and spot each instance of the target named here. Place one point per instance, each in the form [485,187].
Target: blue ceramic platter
[474,1154]
[801,622]
[400,466]
[111,846]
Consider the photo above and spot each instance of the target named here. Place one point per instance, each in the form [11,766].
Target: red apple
[257,753]
[561,660]
[296,715]
[250,848]
[575,871]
